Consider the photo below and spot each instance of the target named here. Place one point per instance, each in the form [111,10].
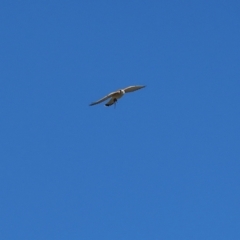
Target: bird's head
[121,91]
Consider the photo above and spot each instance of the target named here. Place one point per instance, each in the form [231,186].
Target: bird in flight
[114,96]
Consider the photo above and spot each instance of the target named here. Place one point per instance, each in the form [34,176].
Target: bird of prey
[114,96]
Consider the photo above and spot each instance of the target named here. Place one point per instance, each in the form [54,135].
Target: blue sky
[164,164]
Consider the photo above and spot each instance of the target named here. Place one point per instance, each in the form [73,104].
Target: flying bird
[114,96]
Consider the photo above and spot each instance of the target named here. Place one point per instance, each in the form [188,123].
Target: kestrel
[114,96]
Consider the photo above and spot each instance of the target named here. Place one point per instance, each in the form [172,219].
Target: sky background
[164,164]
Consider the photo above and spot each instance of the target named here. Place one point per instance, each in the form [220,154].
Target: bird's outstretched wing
[133,88]
[102,99]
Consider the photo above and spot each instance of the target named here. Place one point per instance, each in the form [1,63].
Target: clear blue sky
[164,164]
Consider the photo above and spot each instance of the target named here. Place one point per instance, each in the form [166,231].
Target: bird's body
[114,96]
